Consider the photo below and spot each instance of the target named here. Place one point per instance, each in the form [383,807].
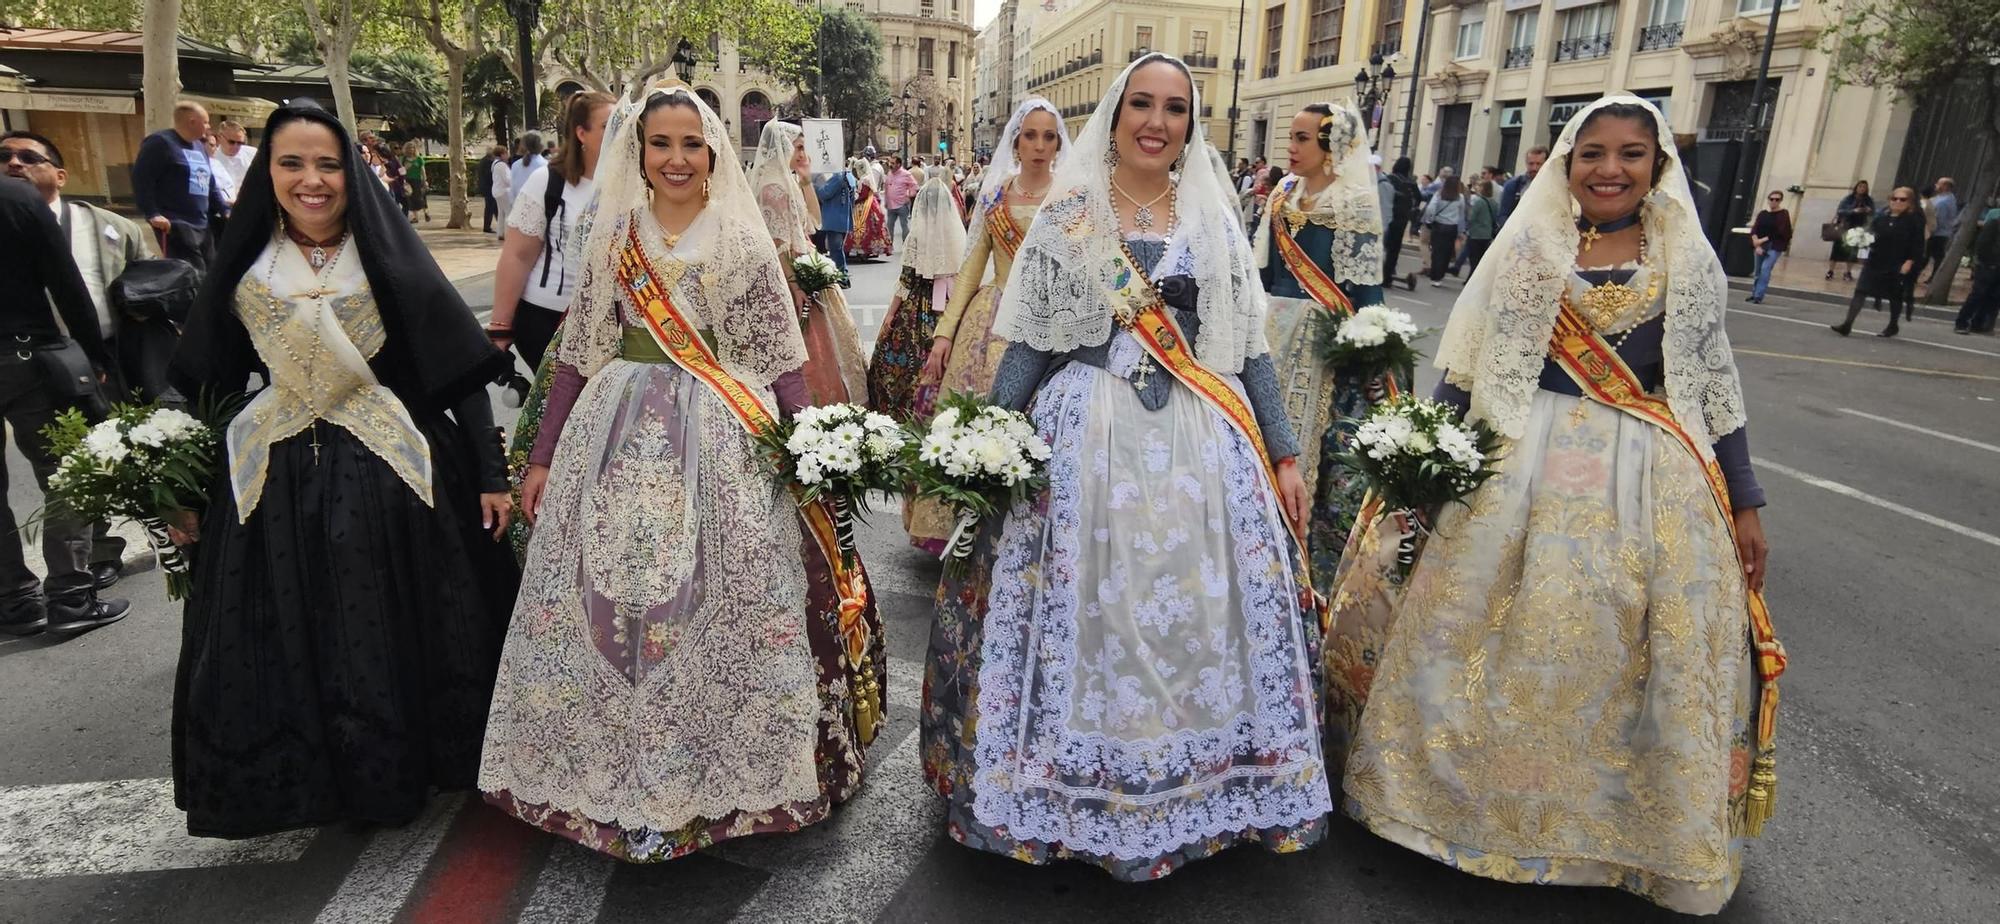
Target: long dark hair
[436,353]
[1450,190]
[1324,132]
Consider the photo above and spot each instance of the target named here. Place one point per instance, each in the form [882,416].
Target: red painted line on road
[480,870]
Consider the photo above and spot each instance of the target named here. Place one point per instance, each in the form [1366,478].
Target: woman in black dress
[349,595]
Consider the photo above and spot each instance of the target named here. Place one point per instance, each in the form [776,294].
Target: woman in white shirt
[540,266]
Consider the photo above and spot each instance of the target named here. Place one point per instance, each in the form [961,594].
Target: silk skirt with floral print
[1565,695]
[671,678]
[1124,676]
[974,363]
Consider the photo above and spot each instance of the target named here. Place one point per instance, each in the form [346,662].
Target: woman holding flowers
[675,673]
[965,350]
[1578,684]
[836,370]
[930,260]
[349,594]
[1124,674]
[1320,249]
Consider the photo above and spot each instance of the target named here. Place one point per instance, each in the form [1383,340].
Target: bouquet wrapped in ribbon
[1376,340]
[143,462]
[1857,241]
[837,453]
[977,458]
[1414,455]
[814,272]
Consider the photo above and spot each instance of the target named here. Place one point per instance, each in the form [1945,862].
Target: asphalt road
[1881,459]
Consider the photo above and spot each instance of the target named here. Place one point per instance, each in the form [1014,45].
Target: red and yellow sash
[1007,233]
[1160,335]
[680,341]
[1311,278]
[1604,377]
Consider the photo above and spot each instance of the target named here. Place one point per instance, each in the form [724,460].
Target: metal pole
[1753,139]
[819,92]
[524,42]
[1416,80]
[1235,84]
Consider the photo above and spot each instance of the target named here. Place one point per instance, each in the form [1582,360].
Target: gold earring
[704,190]
[649,195]
[1326,166]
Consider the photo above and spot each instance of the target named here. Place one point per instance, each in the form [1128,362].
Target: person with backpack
[1403,185]
[539,268]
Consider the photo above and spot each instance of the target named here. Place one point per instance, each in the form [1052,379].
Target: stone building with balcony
[1307,51]
[1502,76]
[993,62]
[1077,51]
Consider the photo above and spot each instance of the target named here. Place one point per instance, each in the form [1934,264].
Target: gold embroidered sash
[1007,233]
[1315,281]
[1604,377]
[678,340]
[316,359]
[1146,316]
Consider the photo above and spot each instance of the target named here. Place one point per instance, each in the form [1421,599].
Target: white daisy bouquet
[976,458]
[1858,240]
[837,453]
[143,462]
[1375,340]
[1415,455]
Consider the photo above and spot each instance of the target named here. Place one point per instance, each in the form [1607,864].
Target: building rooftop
[119,43]
[305,73]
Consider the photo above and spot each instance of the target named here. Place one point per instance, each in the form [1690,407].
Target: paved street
[1882,462]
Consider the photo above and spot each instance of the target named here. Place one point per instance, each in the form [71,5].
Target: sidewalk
[1803,275]
[463,253]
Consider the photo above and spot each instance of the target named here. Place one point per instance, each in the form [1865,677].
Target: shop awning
[60,99]
[250,111]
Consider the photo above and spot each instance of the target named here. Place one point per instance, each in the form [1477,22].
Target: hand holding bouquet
[837,453]
[976,458]
[143,462]
[1375,340]
[814,272]
[1415,455]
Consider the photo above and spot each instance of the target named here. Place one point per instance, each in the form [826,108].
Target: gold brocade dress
[975,353]
[1565,693]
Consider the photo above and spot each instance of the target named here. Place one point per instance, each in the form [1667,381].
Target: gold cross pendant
[315,443]
[1590,236]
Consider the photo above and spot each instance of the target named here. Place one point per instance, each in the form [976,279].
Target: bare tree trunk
[343,90]
[162,81]
[454,68]
[335,36]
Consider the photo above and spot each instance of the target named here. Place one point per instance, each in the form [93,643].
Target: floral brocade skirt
[1124,676]
[836,369]
[900,349]
[974,363]
[672,676]
[1564,693]
[870,238]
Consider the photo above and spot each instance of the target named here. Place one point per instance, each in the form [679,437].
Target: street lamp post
[1416,79]
[1373,86]
[526,14]
[1235,82]
[684,61]
[1753,137]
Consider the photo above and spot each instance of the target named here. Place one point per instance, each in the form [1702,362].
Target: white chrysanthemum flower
[147,434]
[174,422]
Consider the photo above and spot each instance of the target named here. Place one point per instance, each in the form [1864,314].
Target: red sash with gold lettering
[1160,335]
[1007,232]
[679,340]
[1604,377]
[1315,281]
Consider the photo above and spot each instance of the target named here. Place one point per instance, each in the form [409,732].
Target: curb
[1933,312]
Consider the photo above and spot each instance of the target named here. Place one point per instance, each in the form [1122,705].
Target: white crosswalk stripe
[387,871]
[116,826]
[571,886]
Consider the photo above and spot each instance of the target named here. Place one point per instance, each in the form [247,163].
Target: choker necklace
[1591,232]
[318,256]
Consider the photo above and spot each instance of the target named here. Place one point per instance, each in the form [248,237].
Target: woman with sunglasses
[1771,235]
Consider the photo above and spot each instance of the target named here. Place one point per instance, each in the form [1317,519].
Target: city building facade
[1299,52]
[992,100]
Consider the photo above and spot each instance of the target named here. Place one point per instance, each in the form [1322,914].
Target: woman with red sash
[1578,684]
[676,671]
[965,353]
[1320,246]
[1125,674]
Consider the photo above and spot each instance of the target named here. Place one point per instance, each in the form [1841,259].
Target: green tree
[457,32]
[851,86]
[1922,48]
[417,107]
[618,44]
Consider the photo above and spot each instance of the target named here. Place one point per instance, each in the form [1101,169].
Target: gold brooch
[1604,304]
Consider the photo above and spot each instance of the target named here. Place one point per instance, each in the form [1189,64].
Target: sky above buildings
[983,12]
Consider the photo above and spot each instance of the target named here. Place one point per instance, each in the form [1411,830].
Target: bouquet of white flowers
[1858,240]
[1376,339]
[837,453]
[974,457]
[143,462]
[1416,455]
[814,272]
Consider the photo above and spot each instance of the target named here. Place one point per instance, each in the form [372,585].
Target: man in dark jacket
[1984,301]
[1403,211]
[35,386]
[1895,255]
[175,186]
[482,186]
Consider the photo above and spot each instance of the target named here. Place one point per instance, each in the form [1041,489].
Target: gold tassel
[867,701]
[1762,799]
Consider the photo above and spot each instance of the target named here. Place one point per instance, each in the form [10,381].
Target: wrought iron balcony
[1201,61]
[1664,35]
[1385,49]
[1208,112]
[1269,71]
[1318,61]
[1583,49]
[1521,56]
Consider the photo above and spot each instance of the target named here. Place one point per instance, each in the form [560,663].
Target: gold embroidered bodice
[315,333]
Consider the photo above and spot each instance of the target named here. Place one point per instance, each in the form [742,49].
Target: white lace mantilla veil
[776,187]
[1059,295]
[1498,336]
[935,243]
[1349,205]
[1004,168]
[736,288]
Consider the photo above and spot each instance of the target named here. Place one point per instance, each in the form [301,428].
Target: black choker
[1591,232]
